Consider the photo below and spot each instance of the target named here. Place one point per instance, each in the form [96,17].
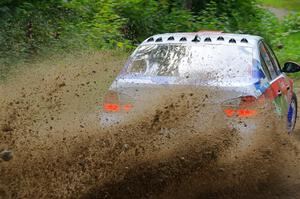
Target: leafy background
[33,28]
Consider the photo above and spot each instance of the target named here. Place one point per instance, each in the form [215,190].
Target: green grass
[290,52]
[291,48]
[283,4]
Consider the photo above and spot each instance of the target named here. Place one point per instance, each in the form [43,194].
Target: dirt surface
[52,146]
[279,13]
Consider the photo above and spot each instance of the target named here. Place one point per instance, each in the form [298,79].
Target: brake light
[246,112]
[112,103]
[229,112]
[111,107]
[240,112]
[245,106]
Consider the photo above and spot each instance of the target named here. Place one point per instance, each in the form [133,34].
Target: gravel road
[51,145]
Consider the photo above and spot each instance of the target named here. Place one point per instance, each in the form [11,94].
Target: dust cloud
[52,145]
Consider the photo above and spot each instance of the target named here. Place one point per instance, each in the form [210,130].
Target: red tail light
[111,107]
[229,112]
[246,112]
[240,112]
[112,103]
[245,106]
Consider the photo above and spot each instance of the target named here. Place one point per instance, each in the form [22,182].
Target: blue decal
[258,74]
[262,83]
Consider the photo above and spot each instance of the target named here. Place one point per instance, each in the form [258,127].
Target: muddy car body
[214,79]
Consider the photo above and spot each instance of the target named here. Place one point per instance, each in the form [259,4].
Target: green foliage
[240,17]
[292,23]
[33,27]
[119,23]
[291,45]
[103,30]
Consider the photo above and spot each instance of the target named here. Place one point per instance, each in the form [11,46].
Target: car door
[279,85]
[286,83]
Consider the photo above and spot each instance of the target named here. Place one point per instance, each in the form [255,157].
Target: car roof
[208,37]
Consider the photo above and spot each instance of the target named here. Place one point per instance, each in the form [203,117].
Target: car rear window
[199,60]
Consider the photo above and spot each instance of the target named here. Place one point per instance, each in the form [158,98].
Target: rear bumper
[202,123]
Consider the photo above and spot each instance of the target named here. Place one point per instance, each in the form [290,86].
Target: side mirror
[291,67]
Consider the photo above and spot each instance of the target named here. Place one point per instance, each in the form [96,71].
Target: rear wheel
[292,114]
